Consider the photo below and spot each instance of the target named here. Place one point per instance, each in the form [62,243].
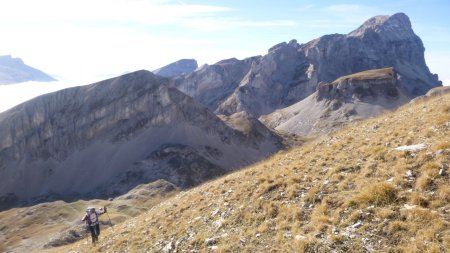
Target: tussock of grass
[378,194]
[347,192]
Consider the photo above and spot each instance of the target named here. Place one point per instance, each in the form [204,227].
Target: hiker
[91,219]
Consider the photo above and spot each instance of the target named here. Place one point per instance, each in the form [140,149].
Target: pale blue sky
[95,39]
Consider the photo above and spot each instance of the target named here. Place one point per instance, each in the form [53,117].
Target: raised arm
[102,210]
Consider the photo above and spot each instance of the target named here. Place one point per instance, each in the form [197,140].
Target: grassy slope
[385,73]
[348,192]
[27,229]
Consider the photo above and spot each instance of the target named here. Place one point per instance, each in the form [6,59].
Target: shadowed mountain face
[14,70]
[181,67]
[105,138]
[291,72]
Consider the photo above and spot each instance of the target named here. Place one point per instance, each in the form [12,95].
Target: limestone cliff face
[106,137]
[290,72]
[273,81]
[381,42]
[212,84]
[14,70]
[353,97]
[363,86]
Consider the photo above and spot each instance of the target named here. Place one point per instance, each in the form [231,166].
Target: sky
[83,41]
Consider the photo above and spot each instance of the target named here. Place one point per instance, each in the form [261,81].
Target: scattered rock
[357,225]
[408,207]
[416,147]
[409,173]
[443,169]
[215,212]
[169,247]
[319,235]
[218,223]
[300,237]
[288,235]
[335,230]
[211,241]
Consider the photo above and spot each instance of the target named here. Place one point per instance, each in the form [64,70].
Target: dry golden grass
[369,74]
[378,194]
[347,192]
[38,225]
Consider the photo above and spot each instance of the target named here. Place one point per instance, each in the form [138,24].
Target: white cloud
[107,37]
[306,8]
[345,8]
[72,38]
[220,24]
[148,12]
[446,82]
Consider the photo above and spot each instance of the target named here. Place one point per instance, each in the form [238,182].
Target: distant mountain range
[290,72]
[105,138]
[14,70]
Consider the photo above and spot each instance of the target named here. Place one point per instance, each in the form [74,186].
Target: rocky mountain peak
[290,71]
[283,45]
[183,66]
[395,27]
[9,59]
[14,70]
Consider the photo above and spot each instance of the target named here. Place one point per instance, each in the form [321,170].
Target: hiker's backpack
[88,215]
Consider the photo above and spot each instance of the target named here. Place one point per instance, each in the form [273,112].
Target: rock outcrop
[14,70]
[290,72]
[105,138]
[181,67]
[353,97]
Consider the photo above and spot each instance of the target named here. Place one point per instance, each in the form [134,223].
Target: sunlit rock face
[290,72]
[348,98]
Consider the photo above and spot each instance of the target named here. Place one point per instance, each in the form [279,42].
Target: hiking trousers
[95,232]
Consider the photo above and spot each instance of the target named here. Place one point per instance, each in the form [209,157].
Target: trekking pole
[110,223]
[87,235]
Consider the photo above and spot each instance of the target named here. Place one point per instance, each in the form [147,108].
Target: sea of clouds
[14,94]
